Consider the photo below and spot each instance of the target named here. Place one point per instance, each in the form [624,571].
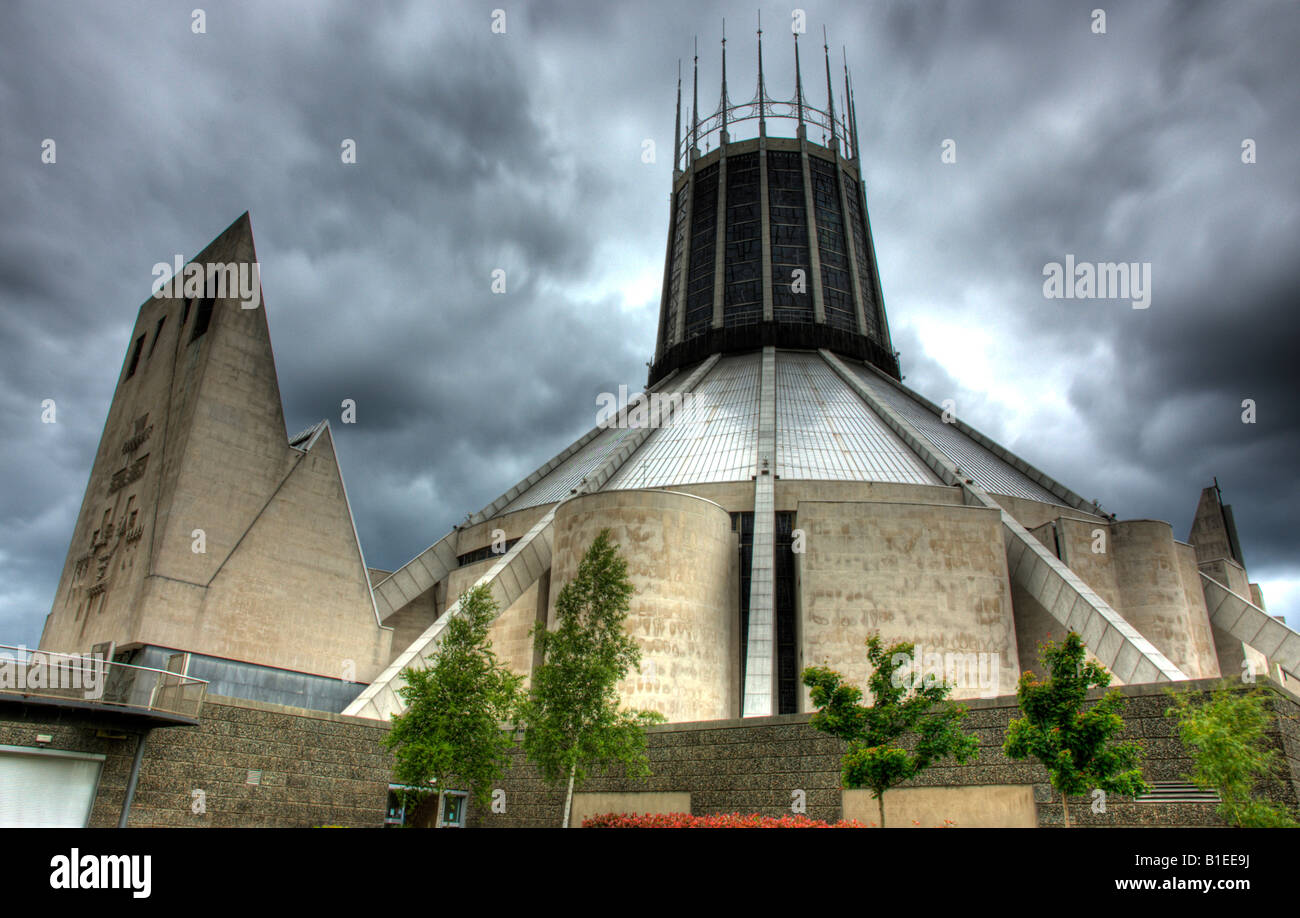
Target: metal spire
[722,137]
[695,104]
[762,91]
[677,127]
[853,118]
[848,130]
[798,84]
[830,93]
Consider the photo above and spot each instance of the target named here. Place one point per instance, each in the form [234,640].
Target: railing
[708,131]
[93,680]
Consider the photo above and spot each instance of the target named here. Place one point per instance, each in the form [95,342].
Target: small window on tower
[202,317]
[135,357]
[157,333]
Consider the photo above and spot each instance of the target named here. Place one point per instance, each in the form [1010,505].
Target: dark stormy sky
[523,151]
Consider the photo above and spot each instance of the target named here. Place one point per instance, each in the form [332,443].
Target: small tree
[1076,746]
[571,716]
[456,707]
[1227,737]
[900,705]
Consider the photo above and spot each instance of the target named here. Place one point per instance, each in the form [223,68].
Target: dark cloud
[523,151]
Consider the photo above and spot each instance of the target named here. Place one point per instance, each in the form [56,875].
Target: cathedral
[795,497]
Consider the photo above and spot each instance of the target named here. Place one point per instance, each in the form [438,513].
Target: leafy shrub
[1227,735]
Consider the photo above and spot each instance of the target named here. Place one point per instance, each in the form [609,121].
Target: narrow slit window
[157,333]
[202,317]
[135,357]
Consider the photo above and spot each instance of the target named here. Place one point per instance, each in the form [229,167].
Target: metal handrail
[83,657]
[771,110]
[117,684]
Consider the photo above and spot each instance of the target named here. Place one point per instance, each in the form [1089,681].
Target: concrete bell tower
[203,528]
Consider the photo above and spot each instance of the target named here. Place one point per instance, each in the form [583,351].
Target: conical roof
[825,431]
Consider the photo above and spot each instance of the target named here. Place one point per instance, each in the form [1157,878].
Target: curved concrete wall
[933,575]
[1147,571]
[682,561]
[511,633]
[1201,632]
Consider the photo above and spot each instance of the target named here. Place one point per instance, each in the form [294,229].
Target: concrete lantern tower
[769,241]
[793,496]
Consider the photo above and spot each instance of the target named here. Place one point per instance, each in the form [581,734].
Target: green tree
[572,721]
[1075,745]
[1227,737]
[456,707]
[900,704]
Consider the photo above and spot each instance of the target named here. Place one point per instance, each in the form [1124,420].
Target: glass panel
[566,476]
[981,464]
[788,228]
[675,268]
[837,292]
[743,522]
[714,439]
[699,281]
[743,288]
[824,430]
[787,660]
[861,258]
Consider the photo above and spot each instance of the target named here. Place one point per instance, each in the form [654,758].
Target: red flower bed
[715,821]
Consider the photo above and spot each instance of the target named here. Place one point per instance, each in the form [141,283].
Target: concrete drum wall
[930,574]
[682,560]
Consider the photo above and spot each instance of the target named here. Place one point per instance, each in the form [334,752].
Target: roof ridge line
[1074,500]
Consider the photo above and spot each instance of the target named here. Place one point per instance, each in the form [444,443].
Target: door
[47,788]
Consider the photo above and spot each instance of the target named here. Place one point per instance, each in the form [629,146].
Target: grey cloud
[522,151]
